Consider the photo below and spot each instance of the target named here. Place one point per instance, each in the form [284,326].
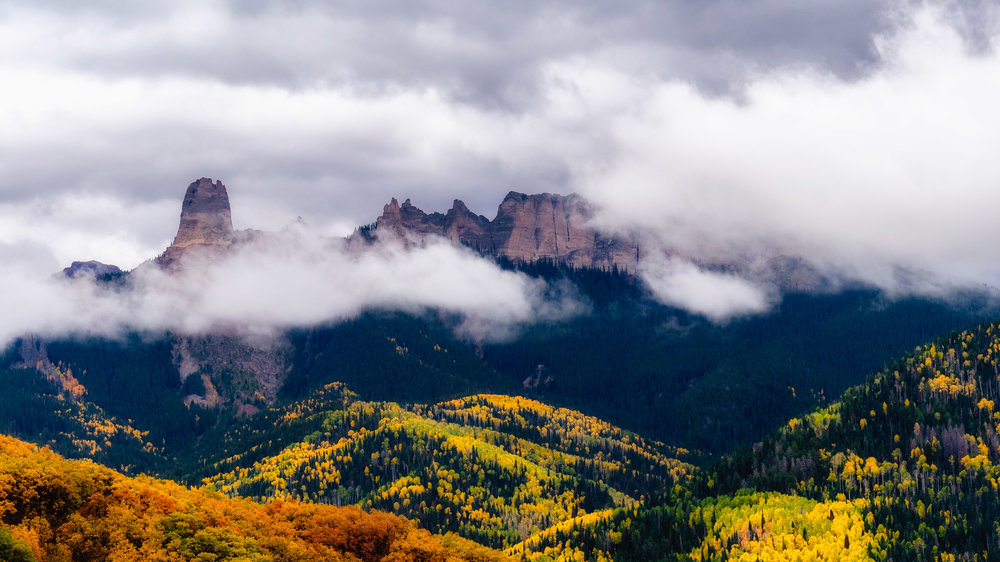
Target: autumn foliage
[55,509]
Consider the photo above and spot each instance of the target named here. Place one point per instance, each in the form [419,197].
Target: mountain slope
[724,385]
[56,412]
[644,357]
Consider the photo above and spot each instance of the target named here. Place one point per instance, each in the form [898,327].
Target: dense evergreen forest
[724,385]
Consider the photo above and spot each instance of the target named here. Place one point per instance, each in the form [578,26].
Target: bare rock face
[34,355]
[206,217]
[526,228]
[406,220]
[796,275]
[232,370]
[544,226]
[206,221]
[466,227]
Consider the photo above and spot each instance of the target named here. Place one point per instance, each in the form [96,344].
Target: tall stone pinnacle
[206,222]
[205,215]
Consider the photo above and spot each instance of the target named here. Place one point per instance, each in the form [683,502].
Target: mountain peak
[514,196]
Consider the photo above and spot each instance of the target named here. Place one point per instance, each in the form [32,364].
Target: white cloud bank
[893,179]
[285,280]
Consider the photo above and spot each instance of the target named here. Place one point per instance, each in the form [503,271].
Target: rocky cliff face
[526,228]
[206,222]
[546,226]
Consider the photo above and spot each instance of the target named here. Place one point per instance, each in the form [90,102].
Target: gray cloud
[483,53]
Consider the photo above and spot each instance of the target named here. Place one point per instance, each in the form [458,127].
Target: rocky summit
[526,228]
[90,269]
[206,221]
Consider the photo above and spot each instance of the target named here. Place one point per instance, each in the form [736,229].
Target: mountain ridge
[526,228]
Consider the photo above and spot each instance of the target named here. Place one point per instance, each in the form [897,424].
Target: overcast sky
[860,134]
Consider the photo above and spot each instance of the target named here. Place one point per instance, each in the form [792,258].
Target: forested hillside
[724,385]
[48,413]
[53,509]
[919,442]
[903,467]
[494,469]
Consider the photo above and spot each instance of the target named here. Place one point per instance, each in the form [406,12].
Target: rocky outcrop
[91,268]
[232,370]
[796,275]
[526,228]
[206,223]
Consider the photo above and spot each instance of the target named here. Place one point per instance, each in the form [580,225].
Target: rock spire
[206,221]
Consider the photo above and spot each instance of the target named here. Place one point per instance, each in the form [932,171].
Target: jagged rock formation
[90,269]
[458,224]
[556,227]
[206,222]
[526,228]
